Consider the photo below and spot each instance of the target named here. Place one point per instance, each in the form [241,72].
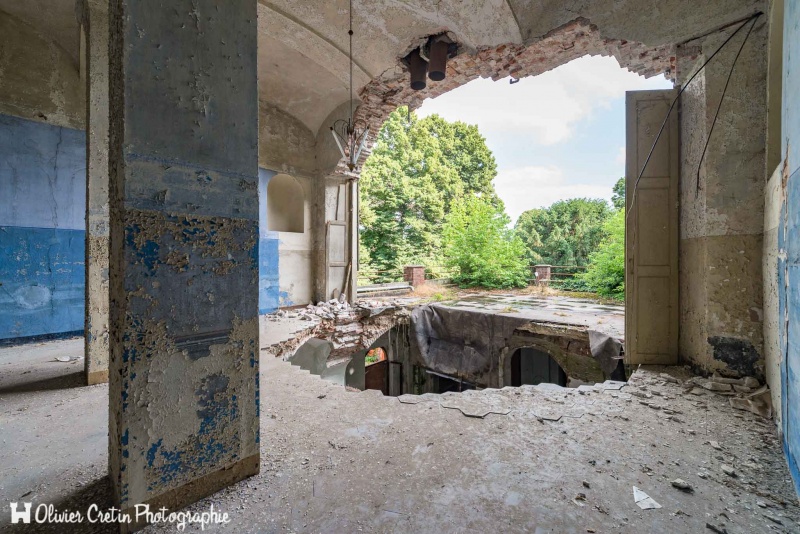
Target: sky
[555,136]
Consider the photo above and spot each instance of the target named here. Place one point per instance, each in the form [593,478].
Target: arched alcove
[285,205]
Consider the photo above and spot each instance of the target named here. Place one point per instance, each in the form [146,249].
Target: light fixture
[430,60]
[350,135]
[440,49]
[418,68]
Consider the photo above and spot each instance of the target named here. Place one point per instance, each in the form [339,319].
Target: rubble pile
[745,393]
[349,328]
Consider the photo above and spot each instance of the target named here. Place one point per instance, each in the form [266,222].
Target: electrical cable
[629,207]
[721,100]
[675,101]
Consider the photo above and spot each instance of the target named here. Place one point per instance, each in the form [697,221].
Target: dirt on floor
[529,459]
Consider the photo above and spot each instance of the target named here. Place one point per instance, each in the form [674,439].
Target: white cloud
[621,155]
[547,106]
[531,187]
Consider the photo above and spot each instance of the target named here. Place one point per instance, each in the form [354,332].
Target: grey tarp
[467,343]
[606,350]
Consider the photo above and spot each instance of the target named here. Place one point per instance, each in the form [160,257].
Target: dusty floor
[332,461]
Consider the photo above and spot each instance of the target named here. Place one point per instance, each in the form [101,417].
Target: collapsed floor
[525,459]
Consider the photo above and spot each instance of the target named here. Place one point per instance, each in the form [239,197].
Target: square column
[95,27]
[183,376]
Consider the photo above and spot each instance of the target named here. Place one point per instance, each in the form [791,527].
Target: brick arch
[571,41]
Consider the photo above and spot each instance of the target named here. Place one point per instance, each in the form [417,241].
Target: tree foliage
[566,233]
[480,247]
[606,272]
[417,170]
[618,196]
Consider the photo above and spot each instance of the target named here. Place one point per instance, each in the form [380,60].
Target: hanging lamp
[350,135]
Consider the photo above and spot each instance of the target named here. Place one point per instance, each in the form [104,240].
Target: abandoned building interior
[180,318]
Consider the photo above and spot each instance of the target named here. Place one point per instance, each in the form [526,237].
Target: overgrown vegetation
[606,273]
[480,247]
[427,197]
[417,170]
[566,233]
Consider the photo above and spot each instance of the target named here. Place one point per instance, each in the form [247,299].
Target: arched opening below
[376,372]
[285,205]
[530,366]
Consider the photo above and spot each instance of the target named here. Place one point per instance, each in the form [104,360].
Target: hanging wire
[350,33]
[675,101]
[721,100]
[629,207]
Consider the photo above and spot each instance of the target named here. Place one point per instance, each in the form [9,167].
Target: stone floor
[539,460]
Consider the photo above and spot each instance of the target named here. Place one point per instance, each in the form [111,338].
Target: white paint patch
[33,297]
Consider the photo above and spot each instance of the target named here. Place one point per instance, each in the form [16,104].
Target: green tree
[606,272]
[481,248]
[618,195]
[566,233]
[417,169]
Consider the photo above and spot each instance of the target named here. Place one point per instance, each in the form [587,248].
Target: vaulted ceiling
[303,62]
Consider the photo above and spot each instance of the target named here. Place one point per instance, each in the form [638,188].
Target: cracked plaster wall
[786,266]
[42,231]
[39,80]
[722,222]
[286,146]
[184,396]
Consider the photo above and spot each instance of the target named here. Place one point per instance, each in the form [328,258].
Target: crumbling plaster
[94,16]
[184,214]
[577,38]
[653,22]
[722,221]
[39,80]
[285,144]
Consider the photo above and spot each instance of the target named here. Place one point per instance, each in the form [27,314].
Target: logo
[17,516]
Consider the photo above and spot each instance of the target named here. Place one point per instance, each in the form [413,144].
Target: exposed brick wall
[573,40]
[414,275]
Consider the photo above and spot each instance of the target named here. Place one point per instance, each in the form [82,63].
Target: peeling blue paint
[285,300]
[269,297]
[217,413]
[42,275]
[789,269]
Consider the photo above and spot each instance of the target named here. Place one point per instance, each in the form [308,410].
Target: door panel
[651,231]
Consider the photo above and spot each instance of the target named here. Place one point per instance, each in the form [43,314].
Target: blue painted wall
[269,294]
[42,229]
[789,268]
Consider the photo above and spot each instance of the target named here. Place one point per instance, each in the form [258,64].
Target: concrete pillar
[722,222]
[184,249]
[414,275]
[543,274]
[95,34]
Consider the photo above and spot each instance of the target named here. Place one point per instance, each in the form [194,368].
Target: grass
[434,292]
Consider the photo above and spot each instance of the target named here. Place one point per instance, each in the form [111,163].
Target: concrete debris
[682,485]
[773,518]
[728,470]
[751,382]
[669,378]
[643,500]
[745,394]
[716,387]
[758,402]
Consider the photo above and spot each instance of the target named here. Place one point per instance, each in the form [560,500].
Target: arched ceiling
[303,63]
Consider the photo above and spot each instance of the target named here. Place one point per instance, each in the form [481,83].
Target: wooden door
[651,230]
